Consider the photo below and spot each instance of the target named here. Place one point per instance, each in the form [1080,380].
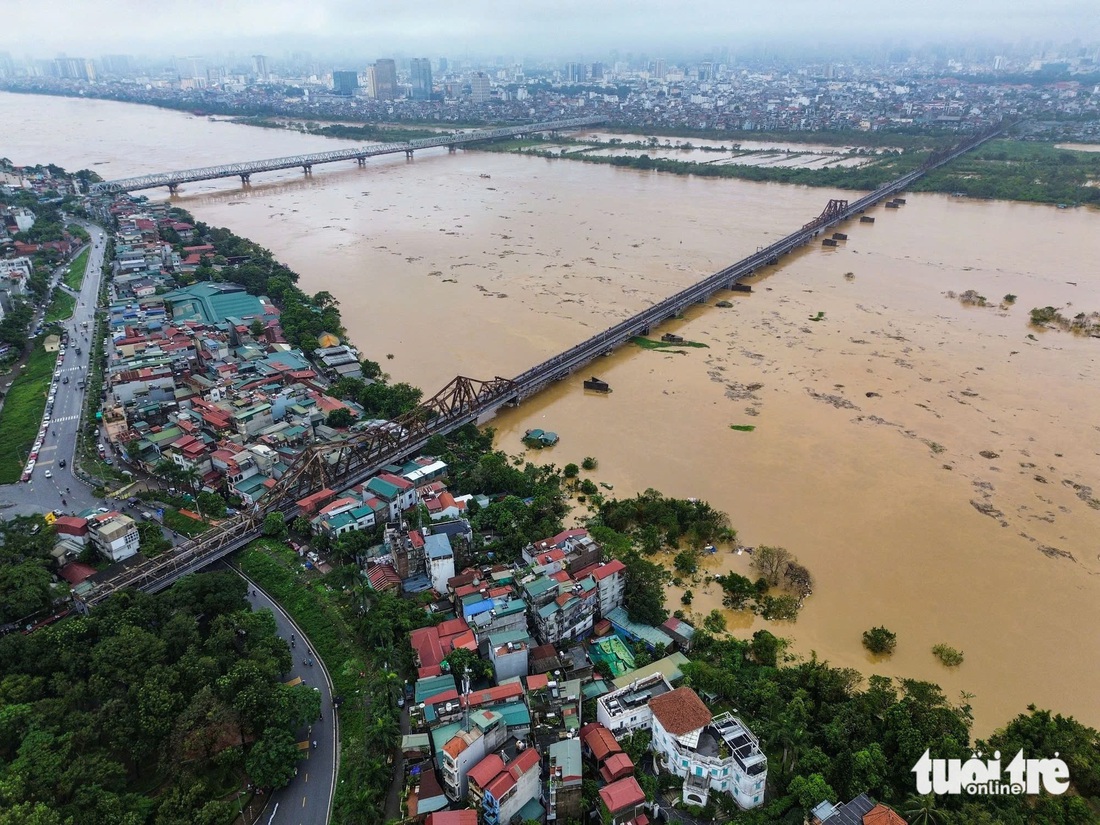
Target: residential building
[440,560]
[345,83]
[501,789]
[719,753]
[621,802]
[420,75]
[508,653]
[399,493]
[479,88]
[383,78]
[860,811]
[114,535]
[433,644]
[563,798]
[486,733]
[627,709]
[463,817]
[611,584]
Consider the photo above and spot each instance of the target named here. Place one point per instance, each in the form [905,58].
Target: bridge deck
[159,573]
[173,179]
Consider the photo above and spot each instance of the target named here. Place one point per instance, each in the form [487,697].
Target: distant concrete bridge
[245,170]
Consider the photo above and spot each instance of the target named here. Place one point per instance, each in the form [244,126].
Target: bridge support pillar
[408,154]
[361,161]
[452,149]
[246,179]
[307,168]
[173,188]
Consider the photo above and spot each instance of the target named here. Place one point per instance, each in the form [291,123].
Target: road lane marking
[303,801]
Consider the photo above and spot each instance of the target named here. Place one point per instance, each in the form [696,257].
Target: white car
[49,473]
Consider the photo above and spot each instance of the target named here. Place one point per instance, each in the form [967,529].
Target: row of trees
[180,692]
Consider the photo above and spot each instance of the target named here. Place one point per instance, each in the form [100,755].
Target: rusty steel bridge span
[464,400]
[359,154]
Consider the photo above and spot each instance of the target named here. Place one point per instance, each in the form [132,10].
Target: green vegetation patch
[175,520]
[743,428]
[948,655]
[60,308]
[1021,171]
[22,413]
[366,736]
[75,276]
[1080,324]
[649,343]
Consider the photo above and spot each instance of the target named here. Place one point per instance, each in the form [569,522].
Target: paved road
[40,493]
[307,800]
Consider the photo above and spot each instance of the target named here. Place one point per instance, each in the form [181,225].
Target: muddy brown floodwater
[935,465]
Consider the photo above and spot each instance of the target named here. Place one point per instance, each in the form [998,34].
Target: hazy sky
[552,28]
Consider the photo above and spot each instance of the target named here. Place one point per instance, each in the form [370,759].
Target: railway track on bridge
[344,464]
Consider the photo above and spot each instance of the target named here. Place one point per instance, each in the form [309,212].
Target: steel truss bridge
[338,465]
[245,170]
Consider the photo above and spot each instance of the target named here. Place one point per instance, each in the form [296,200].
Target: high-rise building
[442,65]
[574,72]
[660,70]
[116,64]
[345,83]
[259,67]
[190,68]
[595,71]
[479,88]
[384,86]
[420,72]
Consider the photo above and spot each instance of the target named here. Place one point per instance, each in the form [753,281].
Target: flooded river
[935,465]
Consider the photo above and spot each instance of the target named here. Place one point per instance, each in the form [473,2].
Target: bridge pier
[173,188]
[451,149]
[307,168]
[408,154]
[361,161]
[246,179]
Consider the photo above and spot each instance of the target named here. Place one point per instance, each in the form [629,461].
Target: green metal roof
[670,666]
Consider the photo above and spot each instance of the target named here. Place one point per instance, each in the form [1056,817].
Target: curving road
[307,800]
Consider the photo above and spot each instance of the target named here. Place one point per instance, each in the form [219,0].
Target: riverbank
[1002,169]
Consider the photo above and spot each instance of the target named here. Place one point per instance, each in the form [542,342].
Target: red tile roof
[621,795]
[554,541]
[600,741]
[494,695]
[609,569]
[483,772]
[537,681]
[680,711]
[71,525]
[463,817]
[617,766]
[383,577]
[75,572]
[881,815]
[501,784]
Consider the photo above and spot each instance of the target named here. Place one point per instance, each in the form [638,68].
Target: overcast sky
[538,28]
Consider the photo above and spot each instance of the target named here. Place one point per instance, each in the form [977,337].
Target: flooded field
[935,465]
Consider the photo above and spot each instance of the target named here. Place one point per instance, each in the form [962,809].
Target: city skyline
[567,28]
